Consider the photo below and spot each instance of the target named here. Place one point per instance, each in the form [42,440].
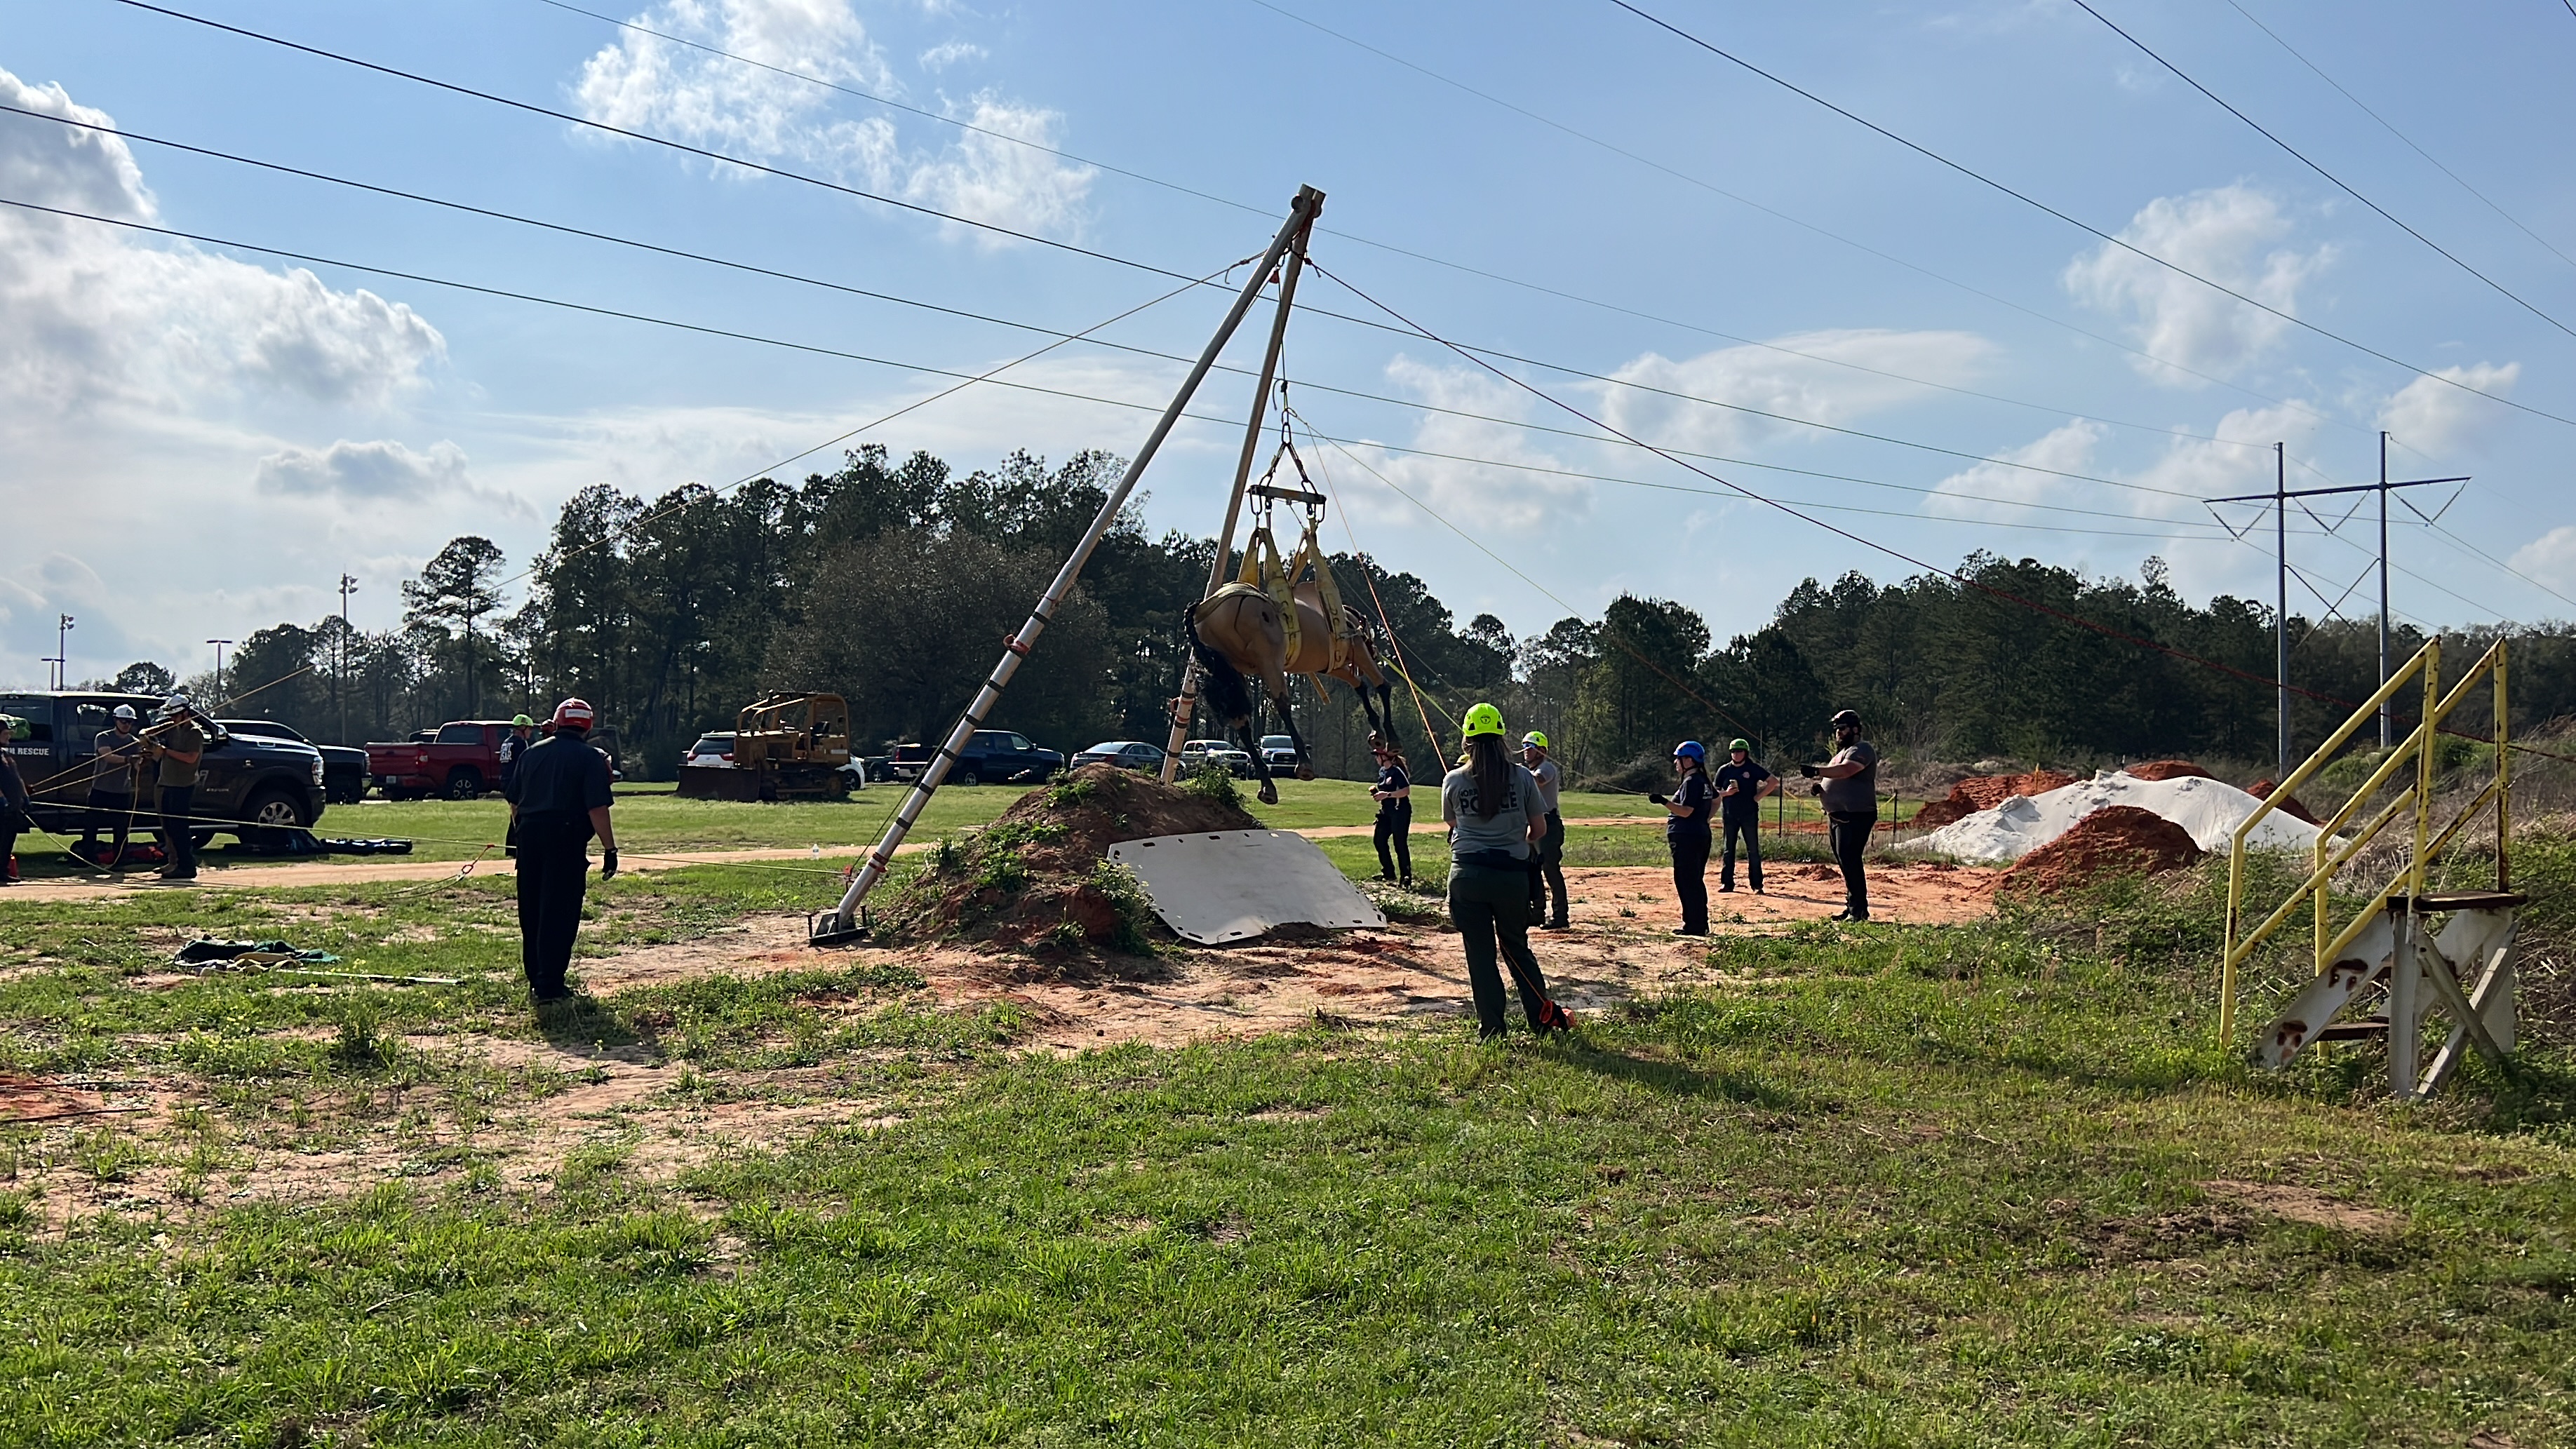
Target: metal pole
[62,651]
[348,586]
[2281,596]
[219,669]
[1186,708]
[2386,717]
[842,923]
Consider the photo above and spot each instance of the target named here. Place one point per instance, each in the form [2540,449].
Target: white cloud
[647,84]
[1468,494]
[90,316]
[991,179]
[378,470]
[2550,558]
[2221,234]
[643,83]
[2434,418]
[1811,387]
[2068,450]
[940,57]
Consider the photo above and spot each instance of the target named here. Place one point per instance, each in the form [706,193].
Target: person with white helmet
[1491,806]
[177,745]
[1547,862]
[559,798]
[1686,834]
[113,768]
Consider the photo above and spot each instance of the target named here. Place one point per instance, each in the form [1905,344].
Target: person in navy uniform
[559,799]
[1741,785]
[1687,834]
[1393,793]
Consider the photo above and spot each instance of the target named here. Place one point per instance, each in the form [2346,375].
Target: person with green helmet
[1547,863]
[1686,834]
[1742,784]
[1491,805]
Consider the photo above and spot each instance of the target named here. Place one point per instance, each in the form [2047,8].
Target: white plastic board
[1231,885]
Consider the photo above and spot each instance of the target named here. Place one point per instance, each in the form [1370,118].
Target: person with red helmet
[559,799]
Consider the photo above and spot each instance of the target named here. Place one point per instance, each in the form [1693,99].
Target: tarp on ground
[1232,885]
[2210,810]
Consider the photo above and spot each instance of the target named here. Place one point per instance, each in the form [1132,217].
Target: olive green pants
[1491,909]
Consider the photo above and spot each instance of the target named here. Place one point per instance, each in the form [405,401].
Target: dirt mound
[2288,805]
[1984,792]
[1038,877]
[2115,839]
[2166,770]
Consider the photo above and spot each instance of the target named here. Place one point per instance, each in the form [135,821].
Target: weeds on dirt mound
[1038,878]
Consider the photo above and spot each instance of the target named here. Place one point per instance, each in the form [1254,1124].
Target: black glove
[608,863]
[1654,797]
[1807,770]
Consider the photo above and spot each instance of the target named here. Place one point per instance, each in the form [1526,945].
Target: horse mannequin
[1237,635]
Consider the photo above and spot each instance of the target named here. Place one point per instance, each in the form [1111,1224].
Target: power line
[806,280]
[1059,152]
[2386,125]
[2346,187]
[2086,227]
[702,152]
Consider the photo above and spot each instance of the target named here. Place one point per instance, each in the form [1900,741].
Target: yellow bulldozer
[785,747]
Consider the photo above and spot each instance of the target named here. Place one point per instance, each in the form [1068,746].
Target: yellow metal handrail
[2331,857]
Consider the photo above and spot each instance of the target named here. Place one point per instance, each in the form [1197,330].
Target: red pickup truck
[460,760]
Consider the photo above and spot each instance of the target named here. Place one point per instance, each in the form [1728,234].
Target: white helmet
[126,711]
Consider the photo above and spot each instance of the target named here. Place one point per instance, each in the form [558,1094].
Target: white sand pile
[2209,810]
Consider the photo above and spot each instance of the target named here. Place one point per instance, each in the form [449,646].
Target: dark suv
[344,767]
[257,782]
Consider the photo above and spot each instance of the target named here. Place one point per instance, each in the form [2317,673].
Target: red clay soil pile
[1984,792]
[1038,877]
[2289,804]
[2114,840]
[2166,770]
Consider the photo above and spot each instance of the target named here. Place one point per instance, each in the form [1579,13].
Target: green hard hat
[521,721]
[1745,745]
[12,727]
[1483,719]
[1535,737]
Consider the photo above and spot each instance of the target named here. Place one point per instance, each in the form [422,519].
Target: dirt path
[397,868]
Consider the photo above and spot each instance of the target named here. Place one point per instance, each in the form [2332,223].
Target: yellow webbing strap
[1262,570]
[1336,624]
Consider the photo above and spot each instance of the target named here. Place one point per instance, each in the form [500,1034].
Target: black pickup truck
[344,767]
[245,783]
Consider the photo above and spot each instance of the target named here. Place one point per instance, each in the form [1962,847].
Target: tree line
[894,583]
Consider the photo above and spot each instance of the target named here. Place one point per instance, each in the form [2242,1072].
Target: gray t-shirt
[1854,794]
[1547,775]
[1507,830]
[111,773]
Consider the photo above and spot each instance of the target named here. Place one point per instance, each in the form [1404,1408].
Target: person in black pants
[559,798]
[1394,796]
[1741,784]
[13,799]
[1693,800]
[1490,805]
[1848,784]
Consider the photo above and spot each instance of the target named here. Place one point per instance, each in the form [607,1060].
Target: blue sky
[200,440]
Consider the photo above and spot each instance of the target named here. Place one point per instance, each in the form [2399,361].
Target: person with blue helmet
[1686,834]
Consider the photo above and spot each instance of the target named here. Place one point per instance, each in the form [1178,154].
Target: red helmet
[573,714]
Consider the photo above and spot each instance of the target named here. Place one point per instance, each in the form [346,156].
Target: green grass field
[1986,1184]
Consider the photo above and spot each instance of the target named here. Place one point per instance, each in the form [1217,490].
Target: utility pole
[62,654]
[2280,498]
[1185,708]
[340,673]
[220,645]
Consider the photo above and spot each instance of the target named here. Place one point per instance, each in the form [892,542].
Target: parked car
[990,756]
[344,767]
[461,760]
[1126,754]
[251,786]
[1201,752]
[1279,752]
[714,750]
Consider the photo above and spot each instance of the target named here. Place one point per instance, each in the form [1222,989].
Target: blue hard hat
[1691,750]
